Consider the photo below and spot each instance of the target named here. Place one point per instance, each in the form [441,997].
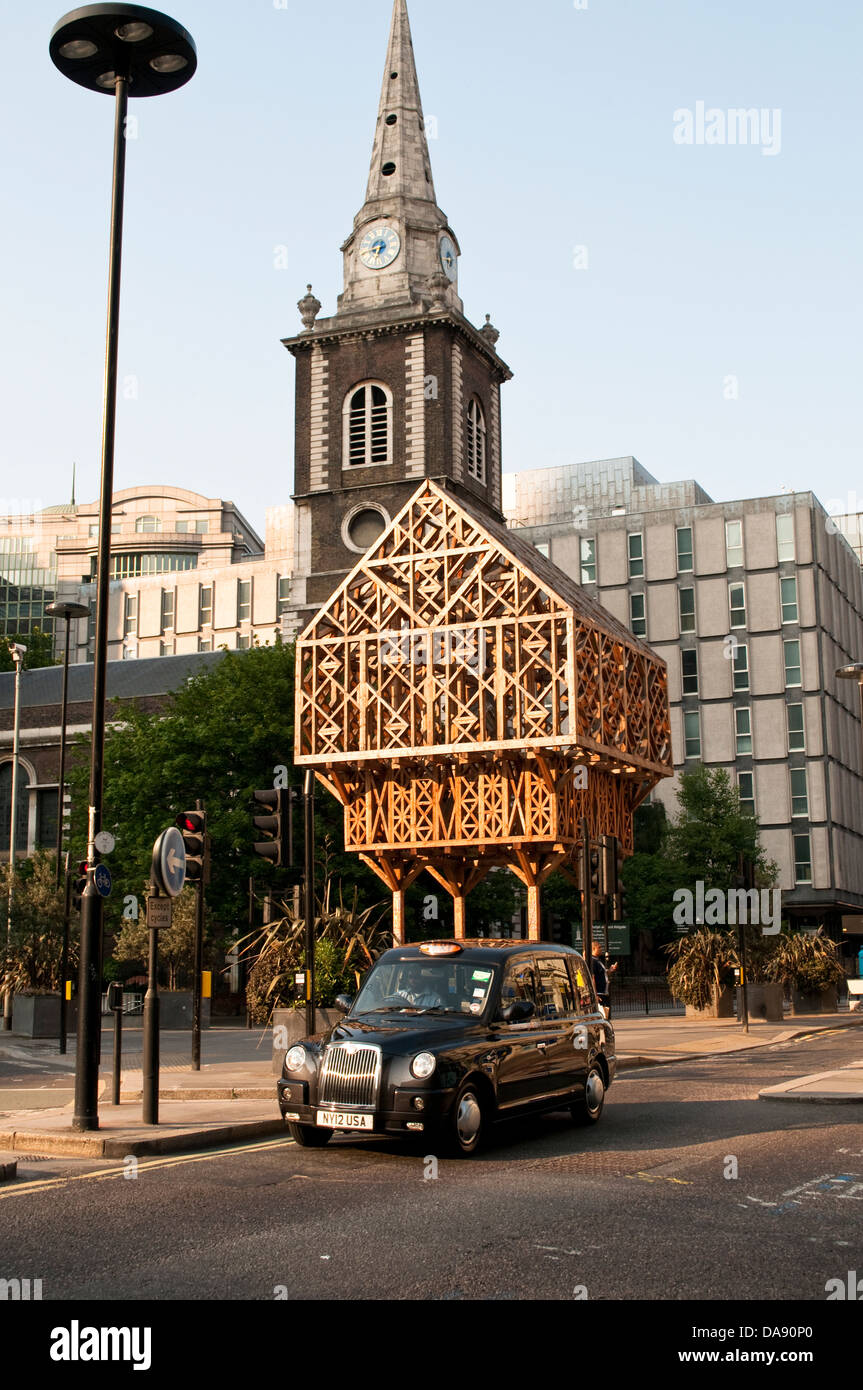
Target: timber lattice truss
[469,704]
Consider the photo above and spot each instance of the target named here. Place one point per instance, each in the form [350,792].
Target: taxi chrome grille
[351,1075]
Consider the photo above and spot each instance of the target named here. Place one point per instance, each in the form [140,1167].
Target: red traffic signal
[79,883]
[192,825]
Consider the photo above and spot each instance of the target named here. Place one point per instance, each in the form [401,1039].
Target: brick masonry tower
[397,385]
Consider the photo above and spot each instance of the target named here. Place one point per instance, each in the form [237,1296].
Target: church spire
[400,159]
[402,251]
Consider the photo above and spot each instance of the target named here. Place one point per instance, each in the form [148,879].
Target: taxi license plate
[344,1119]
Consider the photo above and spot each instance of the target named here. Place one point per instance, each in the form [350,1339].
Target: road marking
[649,1177]
[107,1174]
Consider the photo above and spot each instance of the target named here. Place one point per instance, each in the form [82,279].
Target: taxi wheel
[467,1122]
[309,1137]
[588,1108]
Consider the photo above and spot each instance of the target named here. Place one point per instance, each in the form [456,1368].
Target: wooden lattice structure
[469,704]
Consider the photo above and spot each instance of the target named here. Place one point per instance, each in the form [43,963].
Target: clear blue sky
[555,130]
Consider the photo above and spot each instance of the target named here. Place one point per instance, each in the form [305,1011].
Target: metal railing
[647,997]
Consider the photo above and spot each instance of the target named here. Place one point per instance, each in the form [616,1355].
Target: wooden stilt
[399,917]
[458,904]
[534,913]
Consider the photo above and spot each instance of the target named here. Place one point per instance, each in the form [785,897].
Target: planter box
[293,1022]
[764,1001]
[722,1006]
[825,1002]
[36,1016]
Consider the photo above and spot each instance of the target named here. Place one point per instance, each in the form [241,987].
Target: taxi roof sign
[440,948]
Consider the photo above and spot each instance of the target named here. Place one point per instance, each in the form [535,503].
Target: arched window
[368,426]
[22,825]
[148,525]
[476,441]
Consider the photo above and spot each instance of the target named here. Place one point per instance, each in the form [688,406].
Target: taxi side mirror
[519,1011]
[344,1003]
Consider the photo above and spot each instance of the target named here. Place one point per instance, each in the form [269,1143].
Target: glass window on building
[202,528]
[544,548]
[796,729]
[284,594]
[793,669]
[205,644]
[637,617]
[169,597]
[244,642]
[684,550]
[168,648]
[690,672]
[205,606]
[692,734]
[148,525]
[46,818]
[130,616]
[687,610]
[785,537]
[789,599]
[737,605]
[134,565]
[799,792]
[734,543]
[183,528]
[802,859]
[743,731]
[588,560]
[741,667]
[23,817]
[636,557]
[244,601]
[746,787]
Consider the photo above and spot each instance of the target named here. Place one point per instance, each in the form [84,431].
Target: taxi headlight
[423,1065]
[296,1059]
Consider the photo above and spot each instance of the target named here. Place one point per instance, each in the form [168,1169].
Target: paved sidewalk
[234,1099]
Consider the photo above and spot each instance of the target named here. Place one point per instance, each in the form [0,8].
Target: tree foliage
[31,961]
[219,738]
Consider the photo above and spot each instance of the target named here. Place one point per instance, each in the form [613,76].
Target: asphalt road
[690,1188]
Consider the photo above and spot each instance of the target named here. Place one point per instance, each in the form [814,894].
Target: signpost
[167,876]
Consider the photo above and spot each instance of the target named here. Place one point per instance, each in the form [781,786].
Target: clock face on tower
[448,257]
[380,247]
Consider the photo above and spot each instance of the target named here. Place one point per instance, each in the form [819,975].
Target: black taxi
[447,1038]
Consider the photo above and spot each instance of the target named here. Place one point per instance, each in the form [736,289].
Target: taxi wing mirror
[344,1003]
[518,1011]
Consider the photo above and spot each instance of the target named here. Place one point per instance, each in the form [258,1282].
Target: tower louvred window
[476,441]
[369,426]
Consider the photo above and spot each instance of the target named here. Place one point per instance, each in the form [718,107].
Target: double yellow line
[26,1189]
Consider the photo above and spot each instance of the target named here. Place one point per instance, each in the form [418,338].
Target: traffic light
[278,847]
[595,873]
[79,883]
[192,825]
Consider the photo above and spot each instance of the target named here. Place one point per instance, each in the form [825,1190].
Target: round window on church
[363,527]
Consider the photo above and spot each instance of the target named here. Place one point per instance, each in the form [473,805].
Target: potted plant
[701,975]
[30,961]
[347,943]
[808,965]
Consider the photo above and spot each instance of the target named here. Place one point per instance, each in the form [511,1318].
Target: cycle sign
[169,862]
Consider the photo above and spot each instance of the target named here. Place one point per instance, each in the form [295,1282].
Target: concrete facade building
[753,604]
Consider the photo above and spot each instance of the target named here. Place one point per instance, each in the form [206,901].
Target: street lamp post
[126,50]
[67,611]
[18,654]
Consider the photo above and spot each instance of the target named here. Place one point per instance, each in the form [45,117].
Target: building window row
[734,549]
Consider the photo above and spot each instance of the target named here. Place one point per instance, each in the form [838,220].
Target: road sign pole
[118,1051]
[150,1046]
[64,957]
[199,957]
[586,896]
[309,807]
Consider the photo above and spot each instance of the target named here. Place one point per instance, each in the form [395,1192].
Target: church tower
[397,385]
